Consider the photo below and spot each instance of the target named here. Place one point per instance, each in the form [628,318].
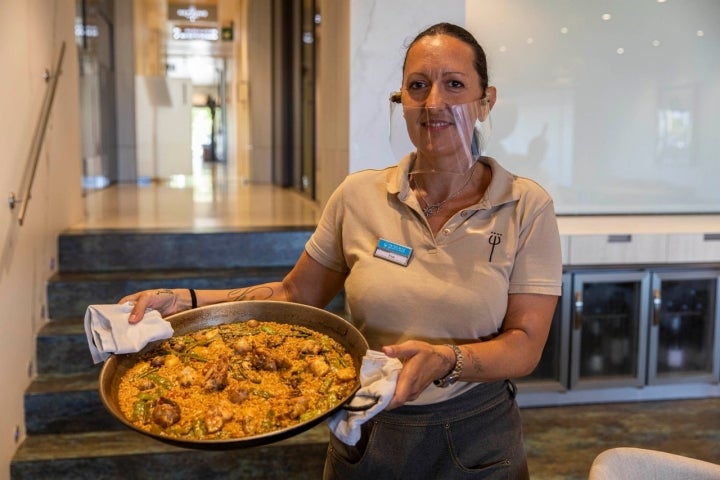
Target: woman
[449,263]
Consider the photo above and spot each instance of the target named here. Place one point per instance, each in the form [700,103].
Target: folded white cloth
[378,378]
[108,330]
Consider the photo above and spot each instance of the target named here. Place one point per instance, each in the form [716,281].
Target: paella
[236,380]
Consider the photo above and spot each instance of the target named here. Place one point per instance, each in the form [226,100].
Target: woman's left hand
[422,363]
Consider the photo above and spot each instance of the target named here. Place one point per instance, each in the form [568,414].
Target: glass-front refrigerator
[551,373]
[684,329]
[609,329]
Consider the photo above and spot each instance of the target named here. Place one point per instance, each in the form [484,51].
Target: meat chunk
[145,384]
[345,374]
[319,367]
[264,360]
[216,417]
[241,346]
[310,346]
[297,406]
[215,375]
[166,413]
[238,395]
[187,377]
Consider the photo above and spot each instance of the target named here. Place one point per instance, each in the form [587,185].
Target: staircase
[70,435]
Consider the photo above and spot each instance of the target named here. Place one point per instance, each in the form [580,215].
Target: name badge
[393,252]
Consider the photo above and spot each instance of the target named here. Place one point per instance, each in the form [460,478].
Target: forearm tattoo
[443,359]
[474,362]
[250,293]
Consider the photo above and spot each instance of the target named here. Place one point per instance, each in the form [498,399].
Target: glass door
[609,339]
[94,34]
[684,330]
[552,370]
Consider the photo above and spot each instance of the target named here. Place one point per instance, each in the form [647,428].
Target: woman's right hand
[164,300]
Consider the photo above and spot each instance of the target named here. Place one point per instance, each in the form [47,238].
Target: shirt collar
[500,190]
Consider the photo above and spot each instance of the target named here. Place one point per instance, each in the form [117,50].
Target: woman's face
[439,74]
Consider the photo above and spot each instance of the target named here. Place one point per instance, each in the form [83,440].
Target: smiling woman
[449,262]
[444,103]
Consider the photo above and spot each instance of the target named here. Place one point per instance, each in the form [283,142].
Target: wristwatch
[454,374]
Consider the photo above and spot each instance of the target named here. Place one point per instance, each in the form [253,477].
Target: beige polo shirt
[455,285]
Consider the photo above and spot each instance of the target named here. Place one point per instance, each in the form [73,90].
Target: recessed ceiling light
[606,16]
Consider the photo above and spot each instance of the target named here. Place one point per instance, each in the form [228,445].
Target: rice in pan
[236,380]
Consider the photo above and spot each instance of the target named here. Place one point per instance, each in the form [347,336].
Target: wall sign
[191,13]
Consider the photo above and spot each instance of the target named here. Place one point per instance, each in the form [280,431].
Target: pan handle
[373,400]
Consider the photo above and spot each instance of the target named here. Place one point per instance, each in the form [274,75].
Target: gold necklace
[429,209]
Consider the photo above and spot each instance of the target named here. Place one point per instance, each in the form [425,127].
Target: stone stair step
[70,434]
[128,454]
[66,404]
[62,348]
[69,294]
[112,250]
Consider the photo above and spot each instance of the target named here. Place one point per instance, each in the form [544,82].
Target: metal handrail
[38,137]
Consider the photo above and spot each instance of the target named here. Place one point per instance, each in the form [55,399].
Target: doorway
[94,25]
[209,127]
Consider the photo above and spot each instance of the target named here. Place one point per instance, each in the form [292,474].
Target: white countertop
[638,224]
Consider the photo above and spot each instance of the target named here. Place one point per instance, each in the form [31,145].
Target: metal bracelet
[454,374]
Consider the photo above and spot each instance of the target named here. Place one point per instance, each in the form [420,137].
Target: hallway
[204,202]
[561,441]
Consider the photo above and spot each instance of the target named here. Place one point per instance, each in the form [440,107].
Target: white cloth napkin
[378,378]
[108,330]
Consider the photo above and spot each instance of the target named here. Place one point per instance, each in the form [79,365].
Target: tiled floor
[209,201]
[561,441]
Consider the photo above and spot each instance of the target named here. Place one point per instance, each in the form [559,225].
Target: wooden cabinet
[693,247]
[617,249]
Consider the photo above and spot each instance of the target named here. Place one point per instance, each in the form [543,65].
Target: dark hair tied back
[462,35]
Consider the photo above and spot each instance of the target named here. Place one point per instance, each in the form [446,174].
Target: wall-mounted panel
[612,106]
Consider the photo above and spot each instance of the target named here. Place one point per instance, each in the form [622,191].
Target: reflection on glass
[685,335]
[675,126]
[609,330]
[549,366]
[627,104]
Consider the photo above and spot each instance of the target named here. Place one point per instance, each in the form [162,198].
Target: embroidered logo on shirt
[393,252]
[494,239]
